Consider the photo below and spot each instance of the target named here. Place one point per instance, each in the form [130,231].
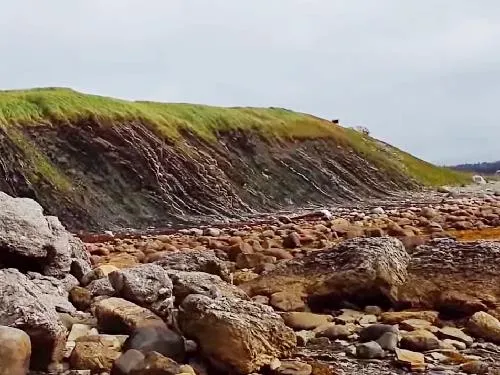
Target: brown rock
[455,277]
[374,232]
[94,356]
[305,320]
[253,260]
[293,367]
[287,301]
[278,253]
[411,360]
[357,268]
[475,367]
[156,364]
[242,335]
[415,324]
[336,331]
[485,326]
[419,341]
[455,334]
[239,248]
[399,316]
[80,297]
[118,316]
[292,241]
[15,351]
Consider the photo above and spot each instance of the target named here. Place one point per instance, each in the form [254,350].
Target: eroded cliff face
[104,176]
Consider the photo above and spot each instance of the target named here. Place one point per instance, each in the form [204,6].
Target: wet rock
[242,335]
[293,367]
[305,320]
[375,331]
[157,339]
[15,351]
[196,261]
[419,341]
[287,301]
[186,283]
[34,242]
[147,285]
[388,341]
[369,350]
[485,326]
[118,316]
[25,306]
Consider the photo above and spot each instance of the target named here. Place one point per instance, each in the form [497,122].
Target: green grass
[49,106]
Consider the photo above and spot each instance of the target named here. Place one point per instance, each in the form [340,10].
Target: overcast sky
[423,75]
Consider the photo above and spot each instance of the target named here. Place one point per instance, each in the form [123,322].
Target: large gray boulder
[239,336]
[25,305]
[186,283]
[196,261]
[357,269]
[147,285]
[30,241]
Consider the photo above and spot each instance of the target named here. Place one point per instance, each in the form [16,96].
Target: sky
[422,75]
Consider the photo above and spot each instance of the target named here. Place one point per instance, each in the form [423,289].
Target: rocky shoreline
[376,289]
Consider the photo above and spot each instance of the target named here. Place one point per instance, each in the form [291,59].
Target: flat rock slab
[119,316]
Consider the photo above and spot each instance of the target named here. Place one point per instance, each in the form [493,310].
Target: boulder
[388,341]
[356,269]
[287,301]
[453,277]
[186,283]
[118,316]
[30,241]
[293,367]
[241,335]
[93,355]
[128,362]
[101,287]
[419,341]
[375,331]
[195,261]
[25,306]
[396,317]
[411,360]
[147,285]
[55,290]
[485,326]
[15,351]
[157,339]
[369,350]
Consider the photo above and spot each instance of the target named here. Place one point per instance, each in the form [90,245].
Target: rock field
[407,285]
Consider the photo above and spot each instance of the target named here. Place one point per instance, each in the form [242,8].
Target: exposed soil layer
[96,176]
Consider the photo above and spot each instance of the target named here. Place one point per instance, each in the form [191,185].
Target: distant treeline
[483,168]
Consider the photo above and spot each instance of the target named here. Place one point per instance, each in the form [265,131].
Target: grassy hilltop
[60,106]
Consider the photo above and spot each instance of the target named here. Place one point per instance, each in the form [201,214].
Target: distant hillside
[482,168]
[99,162]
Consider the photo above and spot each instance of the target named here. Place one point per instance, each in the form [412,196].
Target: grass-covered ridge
[47,106]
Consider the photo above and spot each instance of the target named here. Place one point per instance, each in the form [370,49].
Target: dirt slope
[101,163]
